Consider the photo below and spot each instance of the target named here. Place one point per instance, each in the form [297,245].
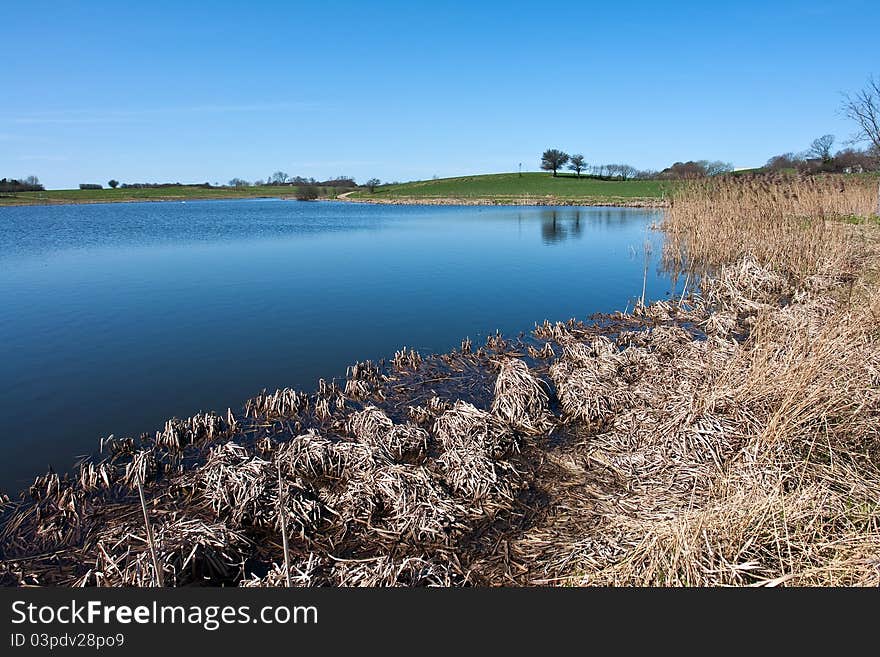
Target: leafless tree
[625,171]
[715,167]
[278,178]
[864,108]
[820,148]
[372,183]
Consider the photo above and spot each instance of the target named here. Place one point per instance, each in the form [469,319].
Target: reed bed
[730,436]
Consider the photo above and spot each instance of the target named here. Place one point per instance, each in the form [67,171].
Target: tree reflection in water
[560,224]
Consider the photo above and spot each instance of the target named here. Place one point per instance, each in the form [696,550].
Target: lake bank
[514,201]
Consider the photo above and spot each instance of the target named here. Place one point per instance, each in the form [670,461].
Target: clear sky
[194,92]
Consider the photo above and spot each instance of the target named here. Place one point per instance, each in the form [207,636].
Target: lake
[115,317]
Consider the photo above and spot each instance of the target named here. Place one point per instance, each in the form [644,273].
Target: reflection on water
[560,224]
[116,317]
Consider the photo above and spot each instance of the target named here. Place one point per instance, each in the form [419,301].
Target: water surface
[116,317]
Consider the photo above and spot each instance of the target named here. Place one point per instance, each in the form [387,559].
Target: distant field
[501,186]
[153,194]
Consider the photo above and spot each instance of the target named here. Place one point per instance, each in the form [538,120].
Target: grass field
[509,186]
[182,193]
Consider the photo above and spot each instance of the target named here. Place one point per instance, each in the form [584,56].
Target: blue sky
[159,91]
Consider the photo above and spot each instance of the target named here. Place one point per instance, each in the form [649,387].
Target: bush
[90,186]
[306,193]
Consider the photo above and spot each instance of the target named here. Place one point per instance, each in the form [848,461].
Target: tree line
[28,184]
[862,148]
[554,159]
[820,158]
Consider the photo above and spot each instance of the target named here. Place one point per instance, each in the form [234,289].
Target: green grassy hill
[511,186]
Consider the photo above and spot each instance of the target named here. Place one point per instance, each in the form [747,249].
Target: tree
[820,148]
[783,162]
[238,182]
[372,183]
[625,171]
[33,181]
[864,109]
[715,167]
[278,178]
[577,164]
[553,159]
[113,183]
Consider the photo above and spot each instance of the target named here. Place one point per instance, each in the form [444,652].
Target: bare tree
[553,159]
[625,171]
[622,171]
[238,182]
[278,178]
[576,163]
[715,167]
[372,183]
[783,162]
[864,109]
[820,148]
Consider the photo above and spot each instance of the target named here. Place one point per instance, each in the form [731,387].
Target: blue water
[116,317]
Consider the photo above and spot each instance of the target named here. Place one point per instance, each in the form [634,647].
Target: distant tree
[864,109]
[784,162]
[625,171]
[820,148]
[90,186]
[114,184]
[553,159]
[684,171]
[278,178]
[259,183]
[622,171]
[852,160]
[238,182]
[306,193]
[29,184]
[715,167]
[577,164]
[372,183]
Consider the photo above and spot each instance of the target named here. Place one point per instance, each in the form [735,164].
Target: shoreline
[514,201]
[424,201]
